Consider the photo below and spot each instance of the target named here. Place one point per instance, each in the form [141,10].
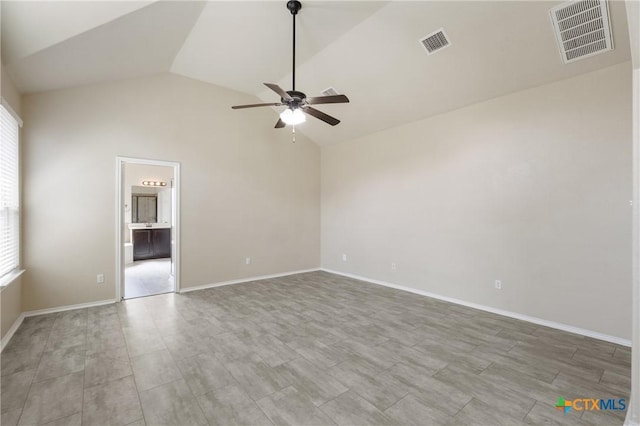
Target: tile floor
[148,277]
[308,349]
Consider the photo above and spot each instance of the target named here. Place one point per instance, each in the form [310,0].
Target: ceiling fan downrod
[294,7]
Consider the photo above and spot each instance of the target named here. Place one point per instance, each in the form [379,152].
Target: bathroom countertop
[146,226]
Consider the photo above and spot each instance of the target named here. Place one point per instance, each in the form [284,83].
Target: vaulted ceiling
[368,50]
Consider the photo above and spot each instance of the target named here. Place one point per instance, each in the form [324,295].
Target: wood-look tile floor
[308,349]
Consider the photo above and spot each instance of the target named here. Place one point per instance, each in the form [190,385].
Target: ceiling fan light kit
[293,117]
[297,103]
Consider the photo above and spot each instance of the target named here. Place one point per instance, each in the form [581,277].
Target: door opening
[147,227]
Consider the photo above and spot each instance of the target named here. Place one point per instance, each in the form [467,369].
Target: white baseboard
[245,280]
[534,320]
[7,337]
[68,308]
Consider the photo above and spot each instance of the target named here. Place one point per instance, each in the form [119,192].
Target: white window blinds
[9,198]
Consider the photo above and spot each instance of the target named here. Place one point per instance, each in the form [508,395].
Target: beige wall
[10,305]
[532,188]
[247,191]
[9,92]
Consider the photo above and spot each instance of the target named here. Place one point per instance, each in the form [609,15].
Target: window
[9,197]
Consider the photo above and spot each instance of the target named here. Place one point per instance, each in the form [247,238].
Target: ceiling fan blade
[280,124]
[256,105]
[333,99]
[321,115]
[284,95]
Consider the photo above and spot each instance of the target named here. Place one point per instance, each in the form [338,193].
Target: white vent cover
[435,41]
[582,29]
[329,92]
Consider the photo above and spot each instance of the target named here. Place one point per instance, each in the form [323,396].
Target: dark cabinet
[142,247]
[151,243]
[161,242]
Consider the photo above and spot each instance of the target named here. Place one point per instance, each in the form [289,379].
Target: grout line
[438,371]
[84,362]
[463,407]
[319,407]
[486,368]
[194,396]
[514,346]
[135,383]
[258,405]
[575,351]
[535,401]
[160,385]
[32,381]
[400,399]
[333,399]
[349,389]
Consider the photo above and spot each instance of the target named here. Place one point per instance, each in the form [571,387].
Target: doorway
[147,227]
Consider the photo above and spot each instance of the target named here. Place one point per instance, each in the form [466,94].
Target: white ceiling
[368,50]
[142,42]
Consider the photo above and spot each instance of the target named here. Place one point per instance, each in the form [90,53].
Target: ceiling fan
[298,104]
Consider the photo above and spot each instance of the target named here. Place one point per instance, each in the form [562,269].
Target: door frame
[175,213]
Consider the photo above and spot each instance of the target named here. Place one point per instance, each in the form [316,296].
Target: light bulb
[293,117]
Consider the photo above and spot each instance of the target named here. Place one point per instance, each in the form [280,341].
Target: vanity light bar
[153,183]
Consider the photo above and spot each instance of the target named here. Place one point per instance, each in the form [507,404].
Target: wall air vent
[435,41]
[582,29]
[329,92]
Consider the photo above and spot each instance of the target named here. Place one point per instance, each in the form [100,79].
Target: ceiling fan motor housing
[298,98]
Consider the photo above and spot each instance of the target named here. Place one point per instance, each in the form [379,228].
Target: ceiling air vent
[582,29]
[329,92]
[435,41]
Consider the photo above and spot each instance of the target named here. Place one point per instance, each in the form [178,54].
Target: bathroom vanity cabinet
[152,243]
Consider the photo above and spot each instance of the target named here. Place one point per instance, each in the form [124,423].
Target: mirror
[151,205]
[144,208]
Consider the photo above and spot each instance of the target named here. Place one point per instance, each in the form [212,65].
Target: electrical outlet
[100,278]
[498,285]
[344,257]
[247,261]
[393,266]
